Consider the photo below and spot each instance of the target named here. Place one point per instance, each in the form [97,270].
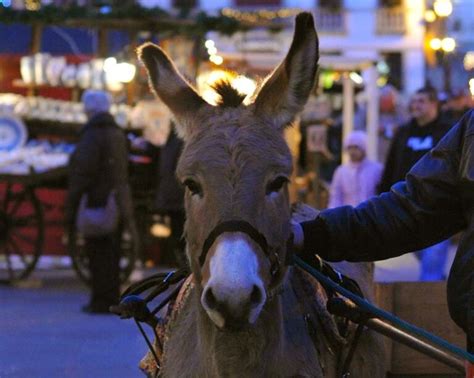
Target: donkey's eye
[276,184]
[193,187]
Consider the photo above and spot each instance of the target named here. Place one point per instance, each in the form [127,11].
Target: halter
[237,225]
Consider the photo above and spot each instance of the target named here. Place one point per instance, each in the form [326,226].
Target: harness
[345,300]
[238,225]
[133,306]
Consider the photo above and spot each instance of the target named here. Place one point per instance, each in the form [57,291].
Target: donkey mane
[229,96]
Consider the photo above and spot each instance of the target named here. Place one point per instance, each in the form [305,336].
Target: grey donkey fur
[232,154]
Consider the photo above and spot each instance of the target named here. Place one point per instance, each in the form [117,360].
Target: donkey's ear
[285,92]
[172,88]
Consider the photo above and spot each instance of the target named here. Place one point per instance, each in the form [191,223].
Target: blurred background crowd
[394,76]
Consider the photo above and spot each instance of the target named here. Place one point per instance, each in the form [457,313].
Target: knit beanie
[357,138]
[96,101]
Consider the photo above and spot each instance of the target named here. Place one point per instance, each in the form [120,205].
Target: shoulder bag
[98,221]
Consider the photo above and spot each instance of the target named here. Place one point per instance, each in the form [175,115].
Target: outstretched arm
[421,211]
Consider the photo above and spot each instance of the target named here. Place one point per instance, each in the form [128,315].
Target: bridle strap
[235,225]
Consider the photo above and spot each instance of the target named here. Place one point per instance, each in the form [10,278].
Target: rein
[361,311]
[132,306]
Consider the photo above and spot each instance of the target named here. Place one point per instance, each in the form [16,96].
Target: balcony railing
[391,21]
[331,21]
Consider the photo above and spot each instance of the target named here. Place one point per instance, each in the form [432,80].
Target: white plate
[13,133]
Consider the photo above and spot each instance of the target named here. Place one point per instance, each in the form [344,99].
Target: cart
[22,228]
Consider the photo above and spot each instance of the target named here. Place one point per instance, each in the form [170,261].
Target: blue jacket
[435,202]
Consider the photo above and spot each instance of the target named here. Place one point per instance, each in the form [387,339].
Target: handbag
[98,221]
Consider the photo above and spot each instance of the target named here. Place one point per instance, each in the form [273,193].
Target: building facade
[377,30]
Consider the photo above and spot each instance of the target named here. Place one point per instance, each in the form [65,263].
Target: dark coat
[435,202]
[98,165]
[170,192]
[409,144]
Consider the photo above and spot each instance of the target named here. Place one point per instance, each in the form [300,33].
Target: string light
[356,78]
[260,15]
[216,59]
[469,61]
[33,5]
[109,64]
[212,51]
[209,44]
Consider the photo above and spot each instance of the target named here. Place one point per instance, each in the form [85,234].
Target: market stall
[41,116]
[43,85]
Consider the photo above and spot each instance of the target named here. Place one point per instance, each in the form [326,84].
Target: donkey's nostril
[210,299]
[256,295]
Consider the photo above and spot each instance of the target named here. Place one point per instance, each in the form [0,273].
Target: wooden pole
[35,47]
[102,48]
[347,109]
[372,113]
[36,34]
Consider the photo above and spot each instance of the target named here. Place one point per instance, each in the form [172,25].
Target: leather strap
[234,226]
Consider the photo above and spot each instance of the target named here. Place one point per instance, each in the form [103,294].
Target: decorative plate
[13,133]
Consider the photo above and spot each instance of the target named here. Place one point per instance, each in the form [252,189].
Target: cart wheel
[21,232]
[80,260]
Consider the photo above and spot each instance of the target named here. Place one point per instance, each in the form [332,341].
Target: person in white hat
[98,174]
[357,180]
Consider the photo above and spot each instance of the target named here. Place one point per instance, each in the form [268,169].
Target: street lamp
[443,47]
[435,44]
[443,8]
[446,45]
[430,15]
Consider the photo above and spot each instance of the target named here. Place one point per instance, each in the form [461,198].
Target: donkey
[244,315]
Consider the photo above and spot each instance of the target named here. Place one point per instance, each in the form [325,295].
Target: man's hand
[300,212]
[298,236]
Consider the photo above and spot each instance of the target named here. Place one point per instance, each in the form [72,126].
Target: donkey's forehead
[235,137]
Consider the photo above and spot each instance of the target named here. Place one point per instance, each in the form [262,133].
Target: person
[409,144]
[435,201]
[415,138]
[169,203]
[98,166]
[357,180]
[457,105]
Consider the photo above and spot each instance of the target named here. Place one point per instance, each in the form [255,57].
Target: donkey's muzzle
[233,309]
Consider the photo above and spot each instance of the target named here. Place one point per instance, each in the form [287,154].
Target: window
[244,3]
[330,4]
[390,3]
[394,63]
[184,3]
